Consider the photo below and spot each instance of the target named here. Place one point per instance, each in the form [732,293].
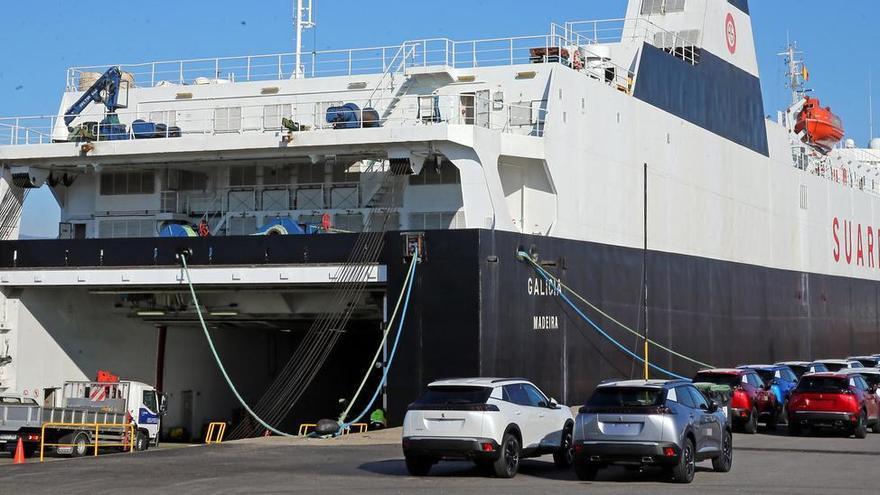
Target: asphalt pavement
[763,464]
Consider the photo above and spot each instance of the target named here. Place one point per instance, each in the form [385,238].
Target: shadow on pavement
[533,468]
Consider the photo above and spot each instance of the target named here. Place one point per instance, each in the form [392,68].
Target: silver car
[651,423]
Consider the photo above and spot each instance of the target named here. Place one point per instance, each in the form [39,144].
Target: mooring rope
[613,320]
[405,291]
[554,283]
[192,291]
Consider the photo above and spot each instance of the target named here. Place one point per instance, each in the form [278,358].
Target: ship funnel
[722,28]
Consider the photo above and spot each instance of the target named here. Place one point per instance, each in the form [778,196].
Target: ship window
[227,119]
[168,118]
[447,173]
[118,183]
[349,223]
[310,174]
[277,175]
[192,181]
[661,6]
[126,228]
[245,175]
[436,220]
[272,115]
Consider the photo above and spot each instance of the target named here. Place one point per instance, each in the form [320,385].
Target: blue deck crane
[107,90]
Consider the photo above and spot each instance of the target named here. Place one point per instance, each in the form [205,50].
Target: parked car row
[672,424]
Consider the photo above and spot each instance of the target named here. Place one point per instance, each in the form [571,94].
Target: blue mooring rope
[620,346]
[363,413]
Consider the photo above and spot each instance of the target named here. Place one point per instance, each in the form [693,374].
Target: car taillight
[32,437]
[488,447]
[740,399]
[669,452]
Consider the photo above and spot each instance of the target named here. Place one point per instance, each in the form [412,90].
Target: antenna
[302,19]
[796,72]
[870,103]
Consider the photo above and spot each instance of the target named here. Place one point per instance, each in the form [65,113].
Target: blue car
[780,380]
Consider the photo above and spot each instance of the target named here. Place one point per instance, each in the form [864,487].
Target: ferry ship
[629,158]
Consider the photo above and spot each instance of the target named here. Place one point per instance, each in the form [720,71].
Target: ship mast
[797,72]
[302,19]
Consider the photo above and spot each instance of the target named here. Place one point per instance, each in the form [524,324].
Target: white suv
[493,421]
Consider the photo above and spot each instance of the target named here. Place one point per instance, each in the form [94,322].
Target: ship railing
[205,118]
[684,45]
[864,176]
[349,62]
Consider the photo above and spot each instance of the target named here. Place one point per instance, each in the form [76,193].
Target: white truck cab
[146,407]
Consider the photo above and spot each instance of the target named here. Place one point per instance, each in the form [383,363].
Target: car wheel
[724,462]
[794,429]
[751,426]
[418,466]
[773,421]
[80,445]
[507,463]
[586,472]
[861,428]
[684,471]
[875,428]
[564,457]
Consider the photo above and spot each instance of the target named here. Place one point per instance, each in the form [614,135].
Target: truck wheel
[141,442]
[80,445]
[564,457]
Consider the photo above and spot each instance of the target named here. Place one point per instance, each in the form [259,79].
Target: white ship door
[483,109]
[530,195]
[512,182]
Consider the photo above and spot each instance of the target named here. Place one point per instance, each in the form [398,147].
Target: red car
[750,399]
[834,400]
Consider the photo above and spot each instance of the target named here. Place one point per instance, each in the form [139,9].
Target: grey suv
[651,423]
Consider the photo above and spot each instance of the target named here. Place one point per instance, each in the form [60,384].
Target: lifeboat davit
[823,128]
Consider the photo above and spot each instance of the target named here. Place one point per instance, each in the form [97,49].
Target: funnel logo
[730,32]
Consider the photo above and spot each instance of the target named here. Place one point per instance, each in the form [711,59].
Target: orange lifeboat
[823,128]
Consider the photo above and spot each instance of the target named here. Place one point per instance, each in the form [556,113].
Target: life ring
[326,225]
[204,231]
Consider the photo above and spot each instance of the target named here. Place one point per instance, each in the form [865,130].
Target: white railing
[358,61]
[634,29]
[865,177]
[310,115]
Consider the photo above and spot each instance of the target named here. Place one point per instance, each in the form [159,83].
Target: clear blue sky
[39,39]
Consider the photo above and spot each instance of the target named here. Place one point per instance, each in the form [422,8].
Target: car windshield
[798,369]
[832,367]
[873,379]
[822,384]
[626,397]
[447,395]
[730,379]
[767,376]
[868,362]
